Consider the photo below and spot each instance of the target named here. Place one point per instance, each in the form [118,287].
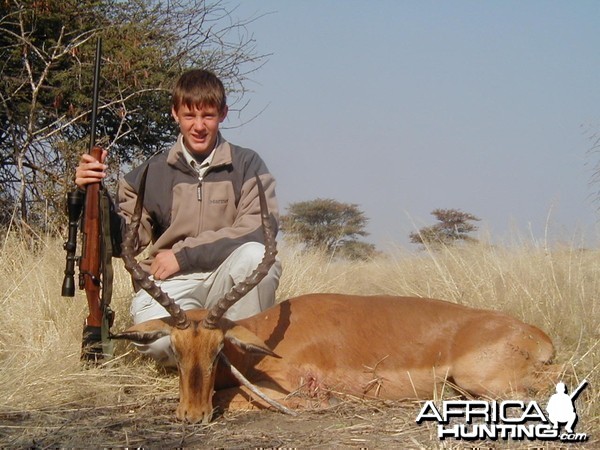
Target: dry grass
[48,400]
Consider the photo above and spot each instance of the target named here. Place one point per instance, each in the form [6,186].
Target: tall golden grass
[556,288]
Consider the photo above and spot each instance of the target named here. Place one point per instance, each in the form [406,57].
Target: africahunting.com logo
[507,420]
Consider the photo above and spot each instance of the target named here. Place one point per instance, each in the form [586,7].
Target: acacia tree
[453,226]
[47,48]
[329,225]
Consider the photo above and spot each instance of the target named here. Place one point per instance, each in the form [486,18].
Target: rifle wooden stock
[89,268]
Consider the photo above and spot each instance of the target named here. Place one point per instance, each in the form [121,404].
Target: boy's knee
[262,297]
[250,254]
[247,258]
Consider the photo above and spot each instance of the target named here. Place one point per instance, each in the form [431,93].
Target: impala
[305,351]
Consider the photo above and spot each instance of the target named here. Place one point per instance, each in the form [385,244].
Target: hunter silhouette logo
[561,406]
[507,420]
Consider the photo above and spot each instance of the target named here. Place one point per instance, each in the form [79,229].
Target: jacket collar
[221,157]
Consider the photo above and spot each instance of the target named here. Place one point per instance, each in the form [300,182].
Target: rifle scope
[74,206]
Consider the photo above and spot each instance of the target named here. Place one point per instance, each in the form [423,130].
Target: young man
[201,211]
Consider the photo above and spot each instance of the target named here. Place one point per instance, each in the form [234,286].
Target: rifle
[95,269]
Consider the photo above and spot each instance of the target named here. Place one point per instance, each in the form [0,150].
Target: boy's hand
[164,265]
[90,170]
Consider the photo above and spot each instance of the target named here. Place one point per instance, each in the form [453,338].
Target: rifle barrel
[95,93]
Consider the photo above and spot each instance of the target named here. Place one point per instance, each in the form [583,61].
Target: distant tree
[329,225]
[454,225]
[357,250]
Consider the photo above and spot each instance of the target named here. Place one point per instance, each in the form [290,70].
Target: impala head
[197,343]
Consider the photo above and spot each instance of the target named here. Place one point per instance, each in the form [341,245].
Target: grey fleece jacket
[202,221]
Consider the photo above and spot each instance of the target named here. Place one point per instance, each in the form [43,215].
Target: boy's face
[199,127]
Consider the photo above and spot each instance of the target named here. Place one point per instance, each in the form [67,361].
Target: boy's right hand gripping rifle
[95,268]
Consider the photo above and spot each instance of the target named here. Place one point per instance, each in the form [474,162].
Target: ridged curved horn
[136,271]
[242,288]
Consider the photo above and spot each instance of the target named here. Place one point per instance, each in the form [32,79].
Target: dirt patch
[151,424]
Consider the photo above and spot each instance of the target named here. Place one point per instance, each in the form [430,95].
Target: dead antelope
[319,344]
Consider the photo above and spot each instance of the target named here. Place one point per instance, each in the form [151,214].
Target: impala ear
[245,339]
[145,333]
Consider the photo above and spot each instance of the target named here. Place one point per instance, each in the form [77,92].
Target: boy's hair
[197,88]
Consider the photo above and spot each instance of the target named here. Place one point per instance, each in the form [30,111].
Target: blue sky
[403,107]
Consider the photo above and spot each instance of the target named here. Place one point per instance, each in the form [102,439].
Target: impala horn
[269,225]
[138,274]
